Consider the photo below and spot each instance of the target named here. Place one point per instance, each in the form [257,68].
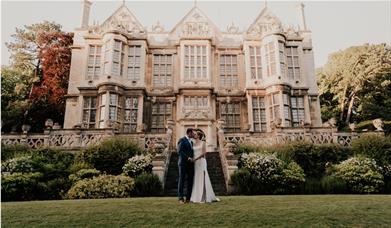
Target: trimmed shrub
[147,184]
[137,165]
[110,155]
[11,151]
[362,175]
[83,174]
[292,178]
[374,146]
[22,186]
[21,164]
[104,186]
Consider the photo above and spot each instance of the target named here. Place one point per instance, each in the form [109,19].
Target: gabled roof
[122,19]
[195,24]
[265,22]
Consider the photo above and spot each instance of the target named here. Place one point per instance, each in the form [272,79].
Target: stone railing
[76,139]
[281,136]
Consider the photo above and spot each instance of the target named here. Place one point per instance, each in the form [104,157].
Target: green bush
[137,165]
[147,184]
[52,163]
[104,186]
[245,183]
[374,146]
[83,174]
[75,167]
[20,164]
[22,186]
[266,174]
[362,175]
[11,151]
[110,155]
[333,185]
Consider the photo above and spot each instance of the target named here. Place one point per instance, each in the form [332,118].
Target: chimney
[302,24]
[86,13]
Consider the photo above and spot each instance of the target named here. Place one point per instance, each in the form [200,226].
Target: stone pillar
[301,17]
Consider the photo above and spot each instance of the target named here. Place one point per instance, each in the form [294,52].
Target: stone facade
[135,81]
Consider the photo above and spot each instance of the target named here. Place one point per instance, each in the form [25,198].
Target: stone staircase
[215,171]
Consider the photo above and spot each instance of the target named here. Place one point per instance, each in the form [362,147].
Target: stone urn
[49,123]
[378,124]
[230,148]
[157,147]
[26,128]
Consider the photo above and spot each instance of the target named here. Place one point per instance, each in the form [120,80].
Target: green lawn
[233,211]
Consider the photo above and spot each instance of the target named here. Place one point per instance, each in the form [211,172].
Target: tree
[37,79]
[352,77]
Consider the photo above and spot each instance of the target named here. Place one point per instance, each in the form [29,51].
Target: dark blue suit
[186,167]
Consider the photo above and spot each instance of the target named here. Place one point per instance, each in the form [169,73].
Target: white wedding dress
[202,188]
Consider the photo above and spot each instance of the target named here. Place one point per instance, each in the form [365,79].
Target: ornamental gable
[195,24]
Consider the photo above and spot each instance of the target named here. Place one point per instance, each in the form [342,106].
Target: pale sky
[335,25]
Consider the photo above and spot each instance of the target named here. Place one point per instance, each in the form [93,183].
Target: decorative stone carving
[276,123]
[122,21]
[332,123]
[195,29]
[378,124]
[352,126]
[266,24]
[196,114]
[157,28]
[232,28]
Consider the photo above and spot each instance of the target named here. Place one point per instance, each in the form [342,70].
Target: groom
[185,165]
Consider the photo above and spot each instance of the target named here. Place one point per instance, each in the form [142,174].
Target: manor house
[133,79]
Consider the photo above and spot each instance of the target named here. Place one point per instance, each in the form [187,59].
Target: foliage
[374,146]
[21,164]
[52,163]
[333,185]
[104,186]
[110,155]
[357,80]
[266,174]
[362,175]
[83,174]
[11,151]
[311,157]
[35,84]
[137,165]
[21,186]
[77,166]
[147,184]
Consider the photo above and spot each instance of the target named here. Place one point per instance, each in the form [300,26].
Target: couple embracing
[193,169]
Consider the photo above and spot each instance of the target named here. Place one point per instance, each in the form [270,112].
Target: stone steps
[215,172]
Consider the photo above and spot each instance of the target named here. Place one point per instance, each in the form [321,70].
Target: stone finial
[85,13]
[301,16]
[157,27]
[232,28]
[378,124]
[352,126]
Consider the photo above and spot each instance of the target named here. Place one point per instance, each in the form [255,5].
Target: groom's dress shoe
[181,202]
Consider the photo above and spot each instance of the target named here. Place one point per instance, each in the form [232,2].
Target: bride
[202,188]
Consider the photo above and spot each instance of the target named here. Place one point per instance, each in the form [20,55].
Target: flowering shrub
[361,174]
[265,173]
[22,164]
[104,186]
[137,165]
[83,174]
